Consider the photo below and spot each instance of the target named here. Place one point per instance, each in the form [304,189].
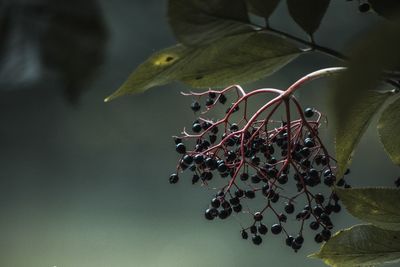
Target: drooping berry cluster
[280,163]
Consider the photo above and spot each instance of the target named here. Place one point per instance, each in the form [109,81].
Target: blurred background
[84,183]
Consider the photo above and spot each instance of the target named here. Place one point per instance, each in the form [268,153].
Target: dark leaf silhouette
[197,22]
[308,14]
[263,8]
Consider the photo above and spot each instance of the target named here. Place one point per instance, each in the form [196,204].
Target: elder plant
[258,157]
[269,161]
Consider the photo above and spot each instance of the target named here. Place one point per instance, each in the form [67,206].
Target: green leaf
[379,206]
[262,8]
[389,131]
[361,245]
[387,8]
[197,22]
[308,14]
[234,59]
[351,122]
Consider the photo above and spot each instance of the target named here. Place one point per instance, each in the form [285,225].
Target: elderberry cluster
[282,164]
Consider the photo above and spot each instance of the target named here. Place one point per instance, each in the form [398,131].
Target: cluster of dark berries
[282,164]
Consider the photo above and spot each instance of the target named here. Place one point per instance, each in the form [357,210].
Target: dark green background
[87,185]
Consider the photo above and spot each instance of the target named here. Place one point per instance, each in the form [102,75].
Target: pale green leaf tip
[109,98]
[113,96]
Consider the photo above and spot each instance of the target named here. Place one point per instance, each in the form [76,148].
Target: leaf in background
[361,245]
[389,130]
[197,22]
[389,9]
[379,206]
[45,42]
[262,8]
[234,59]
[308,14]
[352,122]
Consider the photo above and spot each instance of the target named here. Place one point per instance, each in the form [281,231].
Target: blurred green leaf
[372,57]
[389,130]
[308,14]
[262,8]
[361,245]
[379,206]
[197,22]
[351,123]
[234,59]
[387,8]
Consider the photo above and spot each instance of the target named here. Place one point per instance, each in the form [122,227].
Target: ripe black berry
[223,214]
[237,208]
[211,213]
[253,229]
[258,216]
[283,179]
[239,193]
[209,102]
[196,127]
[262,229]
[195,106]
[318,238]
[314,225]
[244,176]
[308,142]
[255,179]
[215,202]
[289,240]
[308,112]
[225,205]
[326,234]
[180,148]
[234,201]
[187,159]
[250,194]
[299,239]
[222,99]
[289,208]
[282,217]
[296,246]
[234,127]
[257,240]
[212,94]
[174,178]
[222,167]
[198,159]
[276,229]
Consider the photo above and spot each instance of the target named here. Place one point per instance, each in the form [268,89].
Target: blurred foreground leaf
[379,206]
[361,245]
[352,122]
